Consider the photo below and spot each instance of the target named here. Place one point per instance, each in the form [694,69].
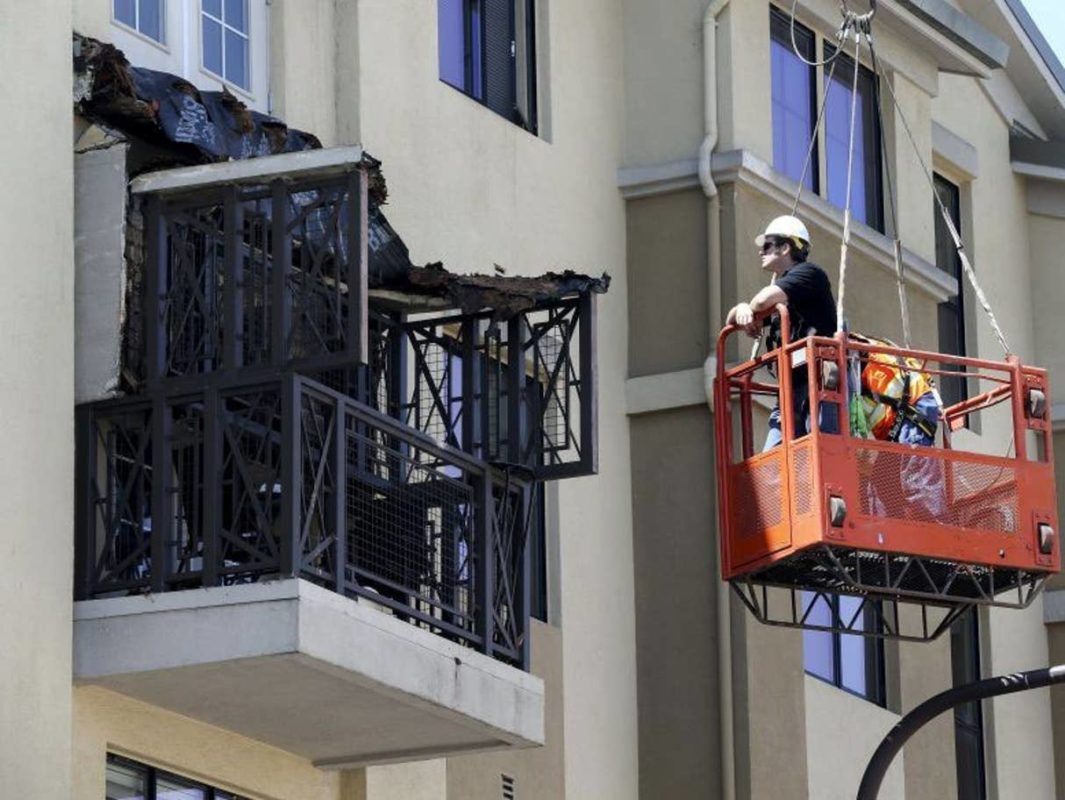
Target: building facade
[649,141]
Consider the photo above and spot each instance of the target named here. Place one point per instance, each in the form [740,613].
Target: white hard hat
[786,227]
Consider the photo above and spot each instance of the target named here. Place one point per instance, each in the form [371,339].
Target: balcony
[308,519]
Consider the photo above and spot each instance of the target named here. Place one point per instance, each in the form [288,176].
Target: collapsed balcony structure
[293,399]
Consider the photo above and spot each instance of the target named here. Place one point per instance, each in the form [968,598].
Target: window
[866,178]
[487,50]
[206,42]
[848,661]
[952,311]
[128,780]
[144,16]
[968,718]
[794,98]
[225,40]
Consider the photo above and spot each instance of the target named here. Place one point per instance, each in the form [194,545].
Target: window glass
[150,19]
[171,788]
[848,661]
[126,12]
[818,646]
[852,649]
[451,41]
[129,780]
[486,49]
[126,782]
[236,15]
[225,40]
[145,16]
[793,99]
[212,45]
[865,199]
[236,49]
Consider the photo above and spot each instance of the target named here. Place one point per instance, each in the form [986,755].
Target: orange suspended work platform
[913,536]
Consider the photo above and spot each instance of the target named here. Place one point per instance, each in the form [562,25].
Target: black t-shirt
[810,304]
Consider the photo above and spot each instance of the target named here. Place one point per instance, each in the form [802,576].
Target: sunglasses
[770,244]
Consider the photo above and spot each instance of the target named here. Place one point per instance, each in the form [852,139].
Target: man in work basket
[805,289]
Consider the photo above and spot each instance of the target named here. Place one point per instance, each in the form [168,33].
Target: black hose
[944,701]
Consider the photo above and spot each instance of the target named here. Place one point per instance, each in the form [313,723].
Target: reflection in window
[848,661]
[487,49]
[144,16]
[793,97]
[866,180]
[226,44]
[129,780]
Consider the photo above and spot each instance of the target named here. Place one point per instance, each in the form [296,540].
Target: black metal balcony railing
[233,484]
[245,276]
[283,423]
[469,381]
[262,278]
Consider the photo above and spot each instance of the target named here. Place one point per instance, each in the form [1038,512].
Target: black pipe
[944,701]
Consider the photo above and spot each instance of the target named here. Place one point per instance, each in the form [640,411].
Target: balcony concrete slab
[307,670]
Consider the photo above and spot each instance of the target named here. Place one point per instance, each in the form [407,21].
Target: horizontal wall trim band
[652,179]
[745,168]
[1030,170]
[666,390]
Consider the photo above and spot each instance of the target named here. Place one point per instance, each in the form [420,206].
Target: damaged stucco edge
[100,259]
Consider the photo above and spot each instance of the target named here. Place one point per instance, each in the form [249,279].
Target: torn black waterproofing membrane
[199,126]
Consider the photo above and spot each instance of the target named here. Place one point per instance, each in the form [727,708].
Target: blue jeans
[827,417]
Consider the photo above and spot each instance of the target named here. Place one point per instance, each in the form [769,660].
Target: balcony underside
[309,671]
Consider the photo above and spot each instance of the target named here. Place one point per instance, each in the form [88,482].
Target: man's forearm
[768,297]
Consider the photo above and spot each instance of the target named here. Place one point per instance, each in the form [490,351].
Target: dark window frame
[969,752]
[952,389]
[806,40]
[868,94]
[153,774]
[874,659]
[516,97]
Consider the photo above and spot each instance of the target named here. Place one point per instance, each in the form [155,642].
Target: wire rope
[951,227]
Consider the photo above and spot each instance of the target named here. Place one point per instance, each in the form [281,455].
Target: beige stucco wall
[770,724]
[667,280]
[1000,252]
[1044,238]
[108,722]
[676,590]
[663,64]
[305,48]
[538,774]
[36,395]
[745,109]
[842,731]
[924,669]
